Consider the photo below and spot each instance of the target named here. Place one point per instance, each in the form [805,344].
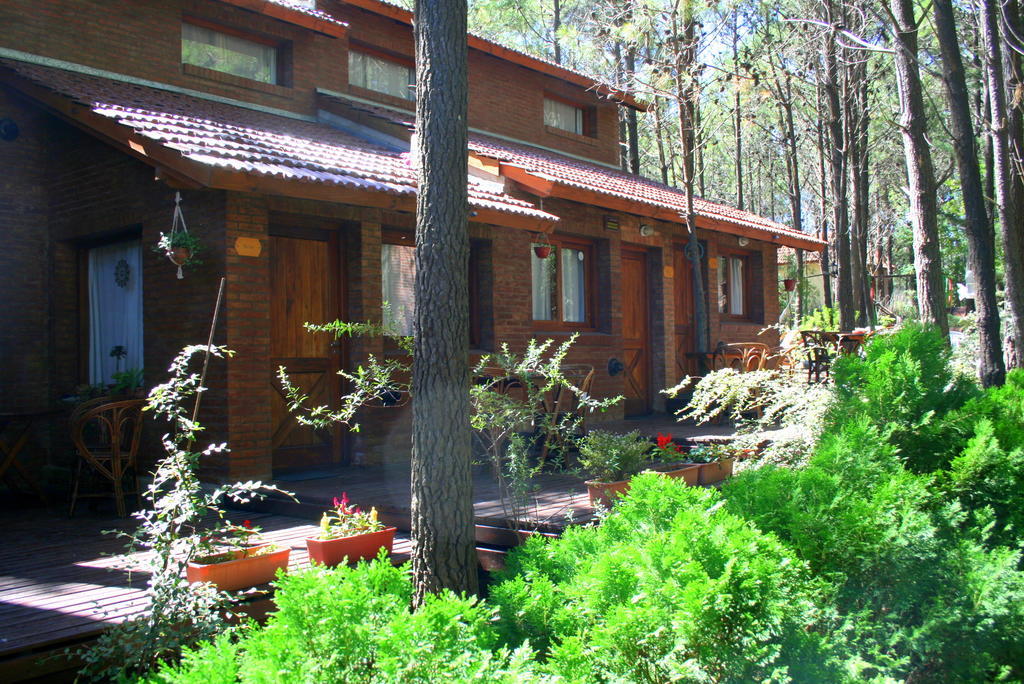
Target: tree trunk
[686,95]
[632,128]
[980,241]
[1011,136]
[737,111]
[837,156]
[443,530]
[931,301]
[826,260]
[556,25]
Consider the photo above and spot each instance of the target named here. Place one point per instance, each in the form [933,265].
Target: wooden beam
[536,186]
[292,16]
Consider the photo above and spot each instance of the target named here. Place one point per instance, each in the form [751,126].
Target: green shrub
[668,587]
[354,625]
[905,388]
[914,587]
[610,457]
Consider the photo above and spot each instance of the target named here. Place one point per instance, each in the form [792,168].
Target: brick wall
[142,38]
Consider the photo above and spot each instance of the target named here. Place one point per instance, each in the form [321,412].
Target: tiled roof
[593,177]
[305,8]
[590,176]
[251,141]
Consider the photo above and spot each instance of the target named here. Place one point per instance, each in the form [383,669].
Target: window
[398,286]
[398,279]
[733,278]
[562,283]
[244,57]
[565,116]
[381,75]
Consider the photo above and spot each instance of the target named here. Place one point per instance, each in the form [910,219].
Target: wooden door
[636,334]
[684,330]
[305,286]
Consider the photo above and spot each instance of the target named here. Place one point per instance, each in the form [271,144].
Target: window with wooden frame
[381,73]
[232,52]
[563,283]
[568,116]
[398,285]
[734,282]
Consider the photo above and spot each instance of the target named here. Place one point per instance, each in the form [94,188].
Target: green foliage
[611,457]
[825,318]
[353,624]
[669,587]
[175,528]
[904,386]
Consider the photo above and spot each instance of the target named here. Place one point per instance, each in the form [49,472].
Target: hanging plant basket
[179,256]
[178,245]
[789,284]
[543,249]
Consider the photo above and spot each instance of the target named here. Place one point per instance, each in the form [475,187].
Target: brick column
[247,317]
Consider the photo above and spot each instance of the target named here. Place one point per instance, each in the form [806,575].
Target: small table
[20,425]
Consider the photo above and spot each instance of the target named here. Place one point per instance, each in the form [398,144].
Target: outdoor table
[20,425]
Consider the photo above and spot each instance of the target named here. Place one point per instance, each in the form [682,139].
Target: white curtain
[115,310]
[564,116]
[380,75]
[542,273]
[574,309]
[398,287]
[736,286]
[222,52]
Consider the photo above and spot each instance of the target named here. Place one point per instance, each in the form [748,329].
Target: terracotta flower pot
[542,251]
[604,493]
[331,552]
[789,284]
[716,471]
[250,567]
[179,255]
[688,472]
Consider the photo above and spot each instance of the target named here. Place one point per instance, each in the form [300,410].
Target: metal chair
[106,435]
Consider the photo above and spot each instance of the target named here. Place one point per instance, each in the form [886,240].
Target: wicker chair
[106,435]
[562,403]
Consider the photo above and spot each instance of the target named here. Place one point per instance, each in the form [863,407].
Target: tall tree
[931,301]
[837,151]
[443,530]
[1004,75]
[980,241]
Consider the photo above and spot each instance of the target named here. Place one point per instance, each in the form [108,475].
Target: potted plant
[543,248]
[611,459]
[349,534]
[236,561]
[180,246]
[671,455]
[716,462]
[789,284]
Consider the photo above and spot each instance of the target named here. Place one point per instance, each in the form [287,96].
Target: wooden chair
[746,356]
[562,403]
[106,435]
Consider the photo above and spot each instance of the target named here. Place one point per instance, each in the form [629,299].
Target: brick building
[285,127]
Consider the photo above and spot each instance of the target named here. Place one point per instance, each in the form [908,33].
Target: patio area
[62,583]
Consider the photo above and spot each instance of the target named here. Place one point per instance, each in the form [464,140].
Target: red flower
[664,440]
[247,524]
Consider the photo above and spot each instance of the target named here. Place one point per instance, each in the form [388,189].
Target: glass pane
[205,47]
[723,285]
[574,295]
[398,280]
[564,116]
[543,276]
[381,75]
[736,286]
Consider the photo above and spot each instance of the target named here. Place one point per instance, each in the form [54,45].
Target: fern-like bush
[669,587]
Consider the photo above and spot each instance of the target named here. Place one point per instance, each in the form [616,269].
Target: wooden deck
[61,582]
[555,499]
